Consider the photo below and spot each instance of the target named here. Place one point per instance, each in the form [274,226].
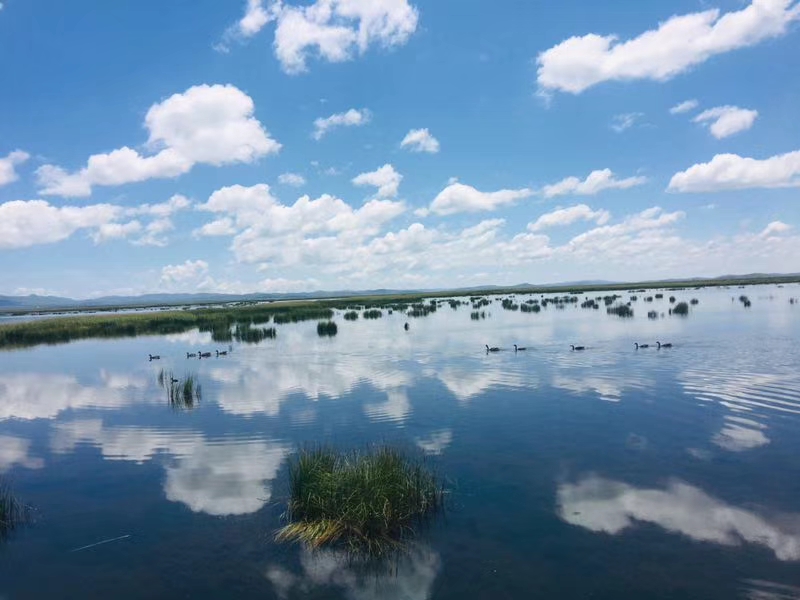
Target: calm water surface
[608,473]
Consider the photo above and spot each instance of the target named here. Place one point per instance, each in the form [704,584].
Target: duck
[203,354]
[660,345]
[638,345]
[518,349]
[576,348]
[154,357]
[492,349]
[406,327]
[191,355]
[174,380]
[223,353]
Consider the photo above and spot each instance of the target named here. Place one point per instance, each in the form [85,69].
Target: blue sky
[268,146]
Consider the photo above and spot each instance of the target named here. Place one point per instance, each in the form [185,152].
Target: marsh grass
[620,310]
[681,308]
[253,335]
[182,394]
[13,513]
[327,329]
[373,313]
[367,502]
[351,315]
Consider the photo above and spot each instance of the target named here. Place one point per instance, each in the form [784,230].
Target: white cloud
[335,29]
[724,121]
[420,140]
[607,506]
[255,17]
[351,118]
[734,172]
[184,272]
[775,228]
[8,173]
[620,123]
[164,209]
[219,227]
[684,107]
[115,231]
[25,223]
[211,125]
[595,182]
[385,178]
[568,216]
[458,198]
[292,179]
[678,44]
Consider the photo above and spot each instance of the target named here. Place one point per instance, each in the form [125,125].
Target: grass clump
[681,308]
[182,394]
[351,315]
[12,512]
[327,329]
[373,314]
[366,502]
[621,310]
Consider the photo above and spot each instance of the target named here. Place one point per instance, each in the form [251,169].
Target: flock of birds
[575,348]
[199,354]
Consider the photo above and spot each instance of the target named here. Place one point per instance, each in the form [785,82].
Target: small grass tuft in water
[181,394]
[327,329]
[681,308]
[12,512]
[367,502]
[351,315]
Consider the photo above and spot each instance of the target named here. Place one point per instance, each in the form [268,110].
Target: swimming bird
[518,349]
[574,347]
[660,345]
[174,380]
[492,349]
[154,357]
[641,345]
[405,326]
[223,353]
[203,354]
[191,355]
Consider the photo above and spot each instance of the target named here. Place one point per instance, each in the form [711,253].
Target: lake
[607,473]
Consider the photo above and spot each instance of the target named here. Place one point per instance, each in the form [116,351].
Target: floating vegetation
[682,309]
[621,310]
[327,329]
[373,314]
[181,394]
[365,502]
[13,513]
[653,314]
[694,301]
[253,335]
[351,315]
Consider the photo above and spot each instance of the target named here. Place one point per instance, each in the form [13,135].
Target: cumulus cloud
[351,118]
[607,506]
[775,228]
[459,198]
[184,272]
[385,178]
[332,30]
[115,231]
[568,216]
[684,107]
[724,121]
[8,173]
[292,179]
[620,123]
[675,46]
[595,182]
[734,172]
[25,223]
[206,124]
[420,140]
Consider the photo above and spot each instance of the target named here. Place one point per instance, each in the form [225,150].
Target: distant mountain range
[34,302]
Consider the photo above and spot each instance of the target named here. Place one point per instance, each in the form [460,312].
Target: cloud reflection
[412,579]
[216,477]
[14,451]
[607,506]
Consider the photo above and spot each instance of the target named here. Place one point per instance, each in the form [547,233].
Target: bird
[174,380]
[641,345]
[203,354]
[660,345]
[223,353]
[405,326]
[191,355]
[574,347]
[492,349]
[154,357]
[518,349]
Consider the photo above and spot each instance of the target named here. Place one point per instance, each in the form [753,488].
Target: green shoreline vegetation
[366,502]
[227,323]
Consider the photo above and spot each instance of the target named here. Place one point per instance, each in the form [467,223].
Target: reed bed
[621,310]
[327,329]
[367,502]
[182,394]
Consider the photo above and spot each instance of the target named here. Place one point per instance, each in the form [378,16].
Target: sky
[299,145]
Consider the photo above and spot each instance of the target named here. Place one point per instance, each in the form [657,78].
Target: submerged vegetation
[13,513]
[367,502]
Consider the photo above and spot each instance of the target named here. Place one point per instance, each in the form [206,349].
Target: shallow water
[608,473]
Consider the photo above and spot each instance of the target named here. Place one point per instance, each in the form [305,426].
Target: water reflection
[436,442]
[218,477]
[755,589]
[411,578]
[16,451]
[607,506]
